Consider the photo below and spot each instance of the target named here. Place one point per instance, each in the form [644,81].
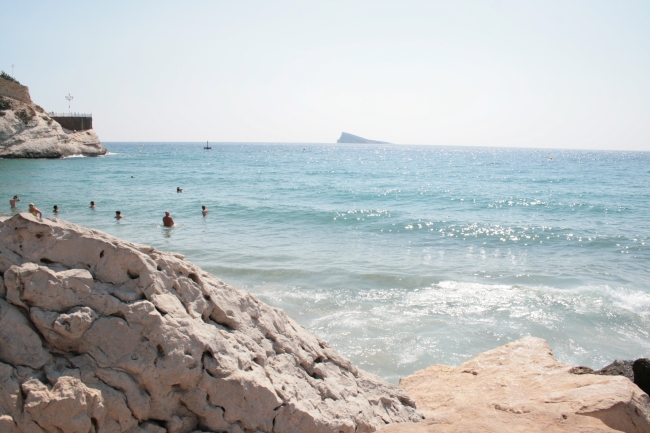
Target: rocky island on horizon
[351,138]
[28,131]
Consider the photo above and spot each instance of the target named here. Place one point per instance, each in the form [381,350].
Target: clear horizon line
[370,144]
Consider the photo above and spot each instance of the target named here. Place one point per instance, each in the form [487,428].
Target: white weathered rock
[520,387]
[41,136]
[101,335]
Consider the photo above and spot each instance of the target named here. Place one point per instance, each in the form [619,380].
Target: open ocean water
[399,256]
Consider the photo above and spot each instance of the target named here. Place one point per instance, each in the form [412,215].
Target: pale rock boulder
[101,335]
[68,396]
[41,136]
[19,343]
[521,387]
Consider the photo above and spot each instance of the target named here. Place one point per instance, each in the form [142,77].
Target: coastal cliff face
[101,335]
[521,387]
[27,131]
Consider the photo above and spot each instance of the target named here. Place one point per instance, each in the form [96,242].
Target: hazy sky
[565,74]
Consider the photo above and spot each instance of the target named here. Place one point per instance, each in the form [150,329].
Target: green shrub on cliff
[8,77]
[26,115]
[4,104]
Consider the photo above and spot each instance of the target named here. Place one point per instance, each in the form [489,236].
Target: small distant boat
[207,146]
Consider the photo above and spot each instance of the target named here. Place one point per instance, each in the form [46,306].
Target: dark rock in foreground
[637,371]
[618,368]
[641,368]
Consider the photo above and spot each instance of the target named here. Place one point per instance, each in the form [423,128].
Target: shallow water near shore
[399,256]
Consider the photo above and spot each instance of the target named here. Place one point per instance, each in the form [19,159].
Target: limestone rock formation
[520,387]
[27,131]
[350,138]
[102,335]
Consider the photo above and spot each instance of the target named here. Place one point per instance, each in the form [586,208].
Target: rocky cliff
[521,387]
[102,335]
[27,131]
[349,138]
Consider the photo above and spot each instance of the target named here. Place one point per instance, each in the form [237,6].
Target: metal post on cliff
[69,98]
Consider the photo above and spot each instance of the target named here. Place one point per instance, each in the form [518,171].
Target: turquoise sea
[399,256]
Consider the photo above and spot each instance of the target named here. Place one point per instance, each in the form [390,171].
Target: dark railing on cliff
[74,121]
[53,114]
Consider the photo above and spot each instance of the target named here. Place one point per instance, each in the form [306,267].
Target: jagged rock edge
[178,265]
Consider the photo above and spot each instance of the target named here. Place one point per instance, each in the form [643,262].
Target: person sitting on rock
[13,201]
[204,211]
[118,215]
[168,221]
[56,209]
[35,211]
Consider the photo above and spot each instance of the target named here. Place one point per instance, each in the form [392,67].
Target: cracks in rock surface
[250,343]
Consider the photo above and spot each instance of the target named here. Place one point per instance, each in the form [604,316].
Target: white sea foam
[450,321]
[635,301]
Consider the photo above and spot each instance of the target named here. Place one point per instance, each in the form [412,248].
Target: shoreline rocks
[616,368]
[637,371]
[102,335]
[521,387]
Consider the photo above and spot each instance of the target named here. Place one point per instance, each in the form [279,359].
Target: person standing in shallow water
[168,221]
[13,201]
[92,205]
[118,215]
[35,211]
[204,211]
[56,209]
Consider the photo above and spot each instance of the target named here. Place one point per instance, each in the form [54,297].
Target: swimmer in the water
[92,205]
[204,211]
[179,189]
[35,211]
[13,201]
[56,209]
[168,221]
[118,215]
